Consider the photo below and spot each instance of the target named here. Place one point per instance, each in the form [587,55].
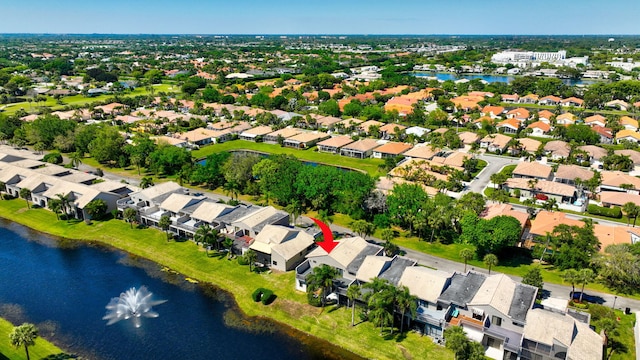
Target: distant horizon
[318,34]
[332,17]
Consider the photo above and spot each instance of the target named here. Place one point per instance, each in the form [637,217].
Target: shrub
[614,212]
[257,294]
[243,261]
[313,300]
[53,158]
[267,296]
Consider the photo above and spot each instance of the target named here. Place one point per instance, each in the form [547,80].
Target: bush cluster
[264,295]
[614,212]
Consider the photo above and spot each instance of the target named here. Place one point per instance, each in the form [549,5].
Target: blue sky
[321,17]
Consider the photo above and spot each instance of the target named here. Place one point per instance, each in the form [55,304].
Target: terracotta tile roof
[391,127]
[603,131]
[551,98]
[533,169]
[495,110]
[566,117]
[572,172]
[336,141]
[540,125]
[530,145]
[545,114]
[617,178]
[626,120]
[363,145]
[595,118]
[394,148]
[519,113]
[421,152]
[573,99]
[546,221]
[511,123]
[494,210]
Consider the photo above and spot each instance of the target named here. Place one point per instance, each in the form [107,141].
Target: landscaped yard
[40,350]
[190,260]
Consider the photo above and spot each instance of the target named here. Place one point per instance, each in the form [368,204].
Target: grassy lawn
[625,337]
[83,100]
[368,165]
[40,350]
[290,308]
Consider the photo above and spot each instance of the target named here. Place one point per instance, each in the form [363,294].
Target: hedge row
[614,212]
[264,295]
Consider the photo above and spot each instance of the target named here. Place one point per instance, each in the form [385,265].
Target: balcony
[303,270]
[511,339]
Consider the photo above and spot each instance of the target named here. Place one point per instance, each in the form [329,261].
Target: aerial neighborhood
[517,168]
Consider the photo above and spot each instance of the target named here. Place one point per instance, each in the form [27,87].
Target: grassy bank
[290,307]
[40,350]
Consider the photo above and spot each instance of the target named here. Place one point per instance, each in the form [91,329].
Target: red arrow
[327,244]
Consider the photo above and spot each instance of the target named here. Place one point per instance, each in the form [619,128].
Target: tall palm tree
[353,292]
[26,195]
[585,276]
[466,255]
[631,210]
[75,159]
[130,215]
[381,304]
[571,276]
[321,278]
[228,244]
[24,335]
[251,257]
[490,260]
[146,182]
[55,205]
[65,201]
[406,302]
[206,235]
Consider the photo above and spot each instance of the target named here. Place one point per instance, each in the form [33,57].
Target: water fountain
[132,304]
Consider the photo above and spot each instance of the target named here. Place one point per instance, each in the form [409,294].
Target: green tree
[164,224]
[490,236]
[55,205]
[387,234]
[321,278]
[228,244]
[96,208]
[456,340]
[353,293]
[466,254]
[533,277]
[130,215]
[381,308]
[75,159]
[405,201]
[631,210]
[205,235]
[24,336]
[406,303]
[26,195]
[585,276]
[146,182]
[363,228]
[572,277]
[107,146]
[65,202]
[251,257]
[490,260]
[619,268]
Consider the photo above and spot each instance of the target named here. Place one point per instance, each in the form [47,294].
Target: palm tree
[65,201]
[551,204]
[532,183]
[353,292]
[24,335]
[490,260]
[251,257]
[631,210]
[75,159]
[164,224]
[380,304]
[130,215]
[571,276]
[321,278]
[3,188]
[585,276]
[55,205]
[232,188]
[387,234]
[228,244]
[206,235]
[390,249]
[137,160]
[406,302]
[146,182]
[466,255]
[26,195]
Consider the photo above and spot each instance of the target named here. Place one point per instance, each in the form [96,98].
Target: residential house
[634,155]
[572,101]
[596,119]
[327,122]
[417,131]
[543,190]
[256,134]
[539,128]
[533,170]
[389,130]
[595,153]
[360,149]
[619,181]
[421,151]
[566,119]
[391,150]
[305,140]
[468,138]
[616,198]
[509,126]
[520,114]
[529,99]
[252,223]
[494,112]
[529,145]
[617,104]
[545,116]
[606,134]
[550,100]
[567,174]
[274,137]
[365,127]
[202,136]
[510,98]
[282,248]
[467,103]
[334,144]
[495,143]
[627,135]
[554,335]
[557,149]
[629,123]
[497,209]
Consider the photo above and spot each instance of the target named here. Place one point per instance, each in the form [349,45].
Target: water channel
[489,78]
[63,286]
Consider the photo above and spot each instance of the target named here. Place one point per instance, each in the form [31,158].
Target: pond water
[488,78]
[63,287]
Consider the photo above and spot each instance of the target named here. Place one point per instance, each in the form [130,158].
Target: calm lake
[63,286]
[488,78]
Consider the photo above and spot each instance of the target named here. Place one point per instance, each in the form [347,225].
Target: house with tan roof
[347,125]
[533,170]
[174,141]
[546,221]
[529,99]
[617,198]
[617,104]
[550,100]
[202,136]
[594,152]
[421,151]
[509,126]
[467,103]
[634,155]
[629,123]
[628,135]
[468,137]
[391,150]
[255,134]
[427,285]
[453,159]
[572,101]
[390,129]
[305,140]
[365,127]
[497,209]
[333,144]
[284,133]
[567,174]
[112,108]
[539,128]
[495,143]
[566,119]
[596,119]
[520,114]
[281,248]
[510,98]
[360,149]
[545,116]
[542,190]
[619,181]
[529,145]
[557,149]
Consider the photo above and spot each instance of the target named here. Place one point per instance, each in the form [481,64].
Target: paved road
[494,165]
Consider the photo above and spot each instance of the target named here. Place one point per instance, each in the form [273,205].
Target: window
[495,320]
[275,263]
